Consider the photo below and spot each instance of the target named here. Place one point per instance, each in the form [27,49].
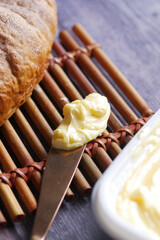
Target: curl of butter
[139,199]
[83,121]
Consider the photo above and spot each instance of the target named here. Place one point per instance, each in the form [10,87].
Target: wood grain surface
[129,33]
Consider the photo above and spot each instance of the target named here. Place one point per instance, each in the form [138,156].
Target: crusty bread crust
[27,29]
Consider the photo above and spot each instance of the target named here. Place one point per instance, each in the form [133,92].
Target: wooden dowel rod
[104,163]
[13,208]
[20,151]
[64,81]
[114,149]
[69,197]
[3,221]
[47,106]
[21,186]
[74,70]
[91,69]
[81,184]
[39,120]
[30,135]
[54,91]
[114,122]
[114,72]
[88,164]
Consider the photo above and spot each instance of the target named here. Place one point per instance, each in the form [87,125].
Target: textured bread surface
[27,29]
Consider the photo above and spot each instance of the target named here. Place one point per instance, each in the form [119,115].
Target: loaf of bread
[27,29]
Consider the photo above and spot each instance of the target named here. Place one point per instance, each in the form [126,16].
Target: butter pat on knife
[83,121]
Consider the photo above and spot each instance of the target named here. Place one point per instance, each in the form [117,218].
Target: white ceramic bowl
[106,190]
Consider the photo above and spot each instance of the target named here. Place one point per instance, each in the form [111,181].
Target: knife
[59,171]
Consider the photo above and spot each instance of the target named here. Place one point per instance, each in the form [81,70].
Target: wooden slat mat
[73,72]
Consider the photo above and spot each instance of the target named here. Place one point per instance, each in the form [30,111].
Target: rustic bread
[27,28]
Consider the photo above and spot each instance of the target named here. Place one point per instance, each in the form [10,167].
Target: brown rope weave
[88,49]
[91,148]
[119,137]
[24,173]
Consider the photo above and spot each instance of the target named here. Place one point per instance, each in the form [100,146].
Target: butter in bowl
[126,199]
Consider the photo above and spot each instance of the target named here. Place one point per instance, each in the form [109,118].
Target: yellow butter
[83,121]
[139,200]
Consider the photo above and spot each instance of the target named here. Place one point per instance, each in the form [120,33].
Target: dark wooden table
[129,33]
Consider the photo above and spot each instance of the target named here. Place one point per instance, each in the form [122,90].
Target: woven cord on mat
[91,148]
[88,49]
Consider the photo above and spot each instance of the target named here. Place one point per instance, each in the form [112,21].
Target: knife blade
[59,171]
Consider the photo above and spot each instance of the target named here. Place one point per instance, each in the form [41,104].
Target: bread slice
[27,29]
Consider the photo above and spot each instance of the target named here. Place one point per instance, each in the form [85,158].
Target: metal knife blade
[60,168]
